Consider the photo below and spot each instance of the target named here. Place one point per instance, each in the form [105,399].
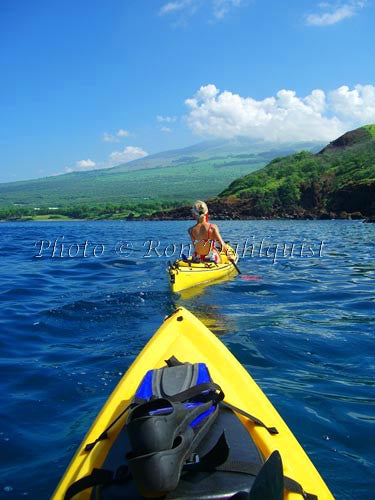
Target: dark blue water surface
[71,326]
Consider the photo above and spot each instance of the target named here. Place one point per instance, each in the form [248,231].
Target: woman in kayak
[204,234]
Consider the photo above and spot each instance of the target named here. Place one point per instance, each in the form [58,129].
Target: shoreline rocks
[237,209]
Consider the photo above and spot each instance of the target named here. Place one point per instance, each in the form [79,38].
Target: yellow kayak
[186,273]
[246,424]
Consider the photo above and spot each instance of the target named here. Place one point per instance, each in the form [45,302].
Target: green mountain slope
[338,181]
[340,178]
[200,171]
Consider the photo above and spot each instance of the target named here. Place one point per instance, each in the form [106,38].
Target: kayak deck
[182,335]
[187,273]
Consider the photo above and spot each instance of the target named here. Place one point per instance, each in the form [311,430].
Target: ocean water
[80,299]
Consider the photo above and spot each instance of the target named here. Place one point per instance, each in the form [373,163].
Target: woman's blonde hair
[200,210]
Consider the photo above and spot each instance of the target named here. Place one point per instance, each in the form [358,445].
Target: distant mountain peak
[215,148]
[352,138]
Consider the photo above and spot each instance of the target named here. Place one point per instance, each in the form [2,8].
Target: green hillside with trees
[340,178]
[153,183]
[338,181]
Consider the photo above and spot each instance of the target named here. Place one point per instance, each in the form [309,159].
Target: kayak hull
[182,335]
[185,274]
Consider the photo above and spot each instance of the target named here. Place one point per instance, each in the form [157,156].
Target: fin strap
[97,477]
[197,390]
[295,487]
[104,434]
[212,460]
[255,420]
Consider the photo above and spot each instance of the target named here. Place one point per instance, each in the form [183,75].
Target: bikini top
[206,240]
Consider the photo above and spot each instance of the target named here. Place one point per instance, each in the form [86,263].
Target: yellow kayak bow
[183,336]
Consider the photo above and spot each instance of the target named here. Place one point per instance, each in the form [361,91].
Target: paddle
[233,262]
[235,265]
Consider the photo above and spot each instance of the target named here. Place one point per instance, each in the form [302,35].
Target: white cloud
[175,6]
[222,7]
[167,119]
[122,133]
[166,129]
[218,8]
[115,137]
[282,118]
[332,13]
[130,153]
[357,104]
[110,138]
[85,164]
[81,165]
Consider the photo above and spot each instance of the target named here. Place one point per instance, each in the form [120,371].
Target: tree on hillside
[289,193]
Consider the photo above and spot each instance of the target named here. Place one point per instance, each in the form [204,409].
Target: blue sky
[91,83]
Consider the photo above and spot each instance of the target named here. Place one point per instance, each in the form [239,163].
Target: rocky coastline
[223,209]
